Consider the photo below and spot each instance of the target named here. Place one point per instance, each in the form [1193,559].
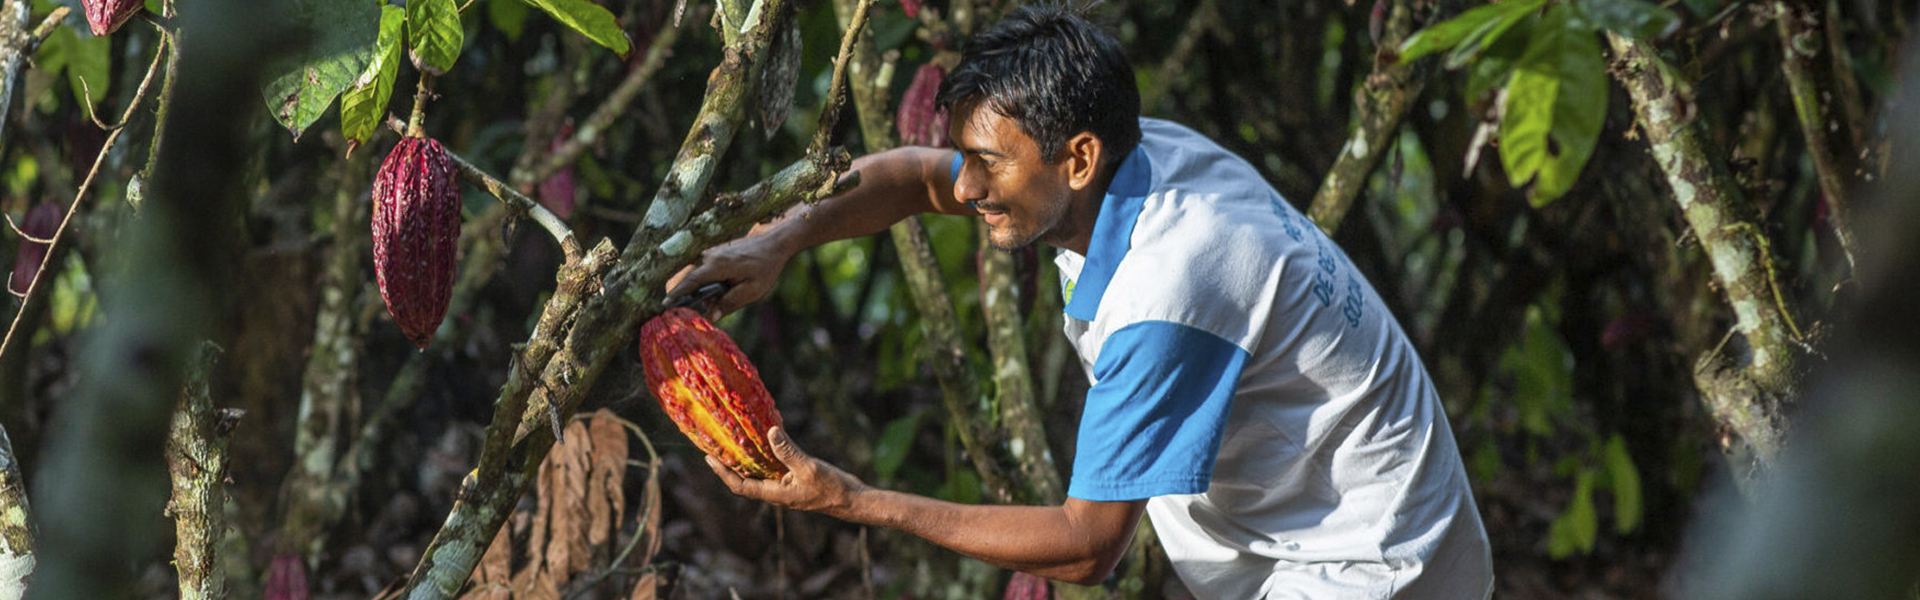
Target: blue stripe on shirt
[1153,423]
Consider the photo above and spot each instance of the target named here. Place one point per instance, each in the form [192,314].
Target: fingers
[784,448]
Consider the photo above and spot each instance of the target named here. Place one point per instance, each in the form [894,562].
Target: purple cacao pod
[557,193]
[920,120]
[416,230]
[1026,586]
[106,16]
[42,221]
[286,579]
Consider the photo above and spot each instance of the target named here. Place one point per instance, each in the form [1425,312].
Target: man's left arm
[1079,541]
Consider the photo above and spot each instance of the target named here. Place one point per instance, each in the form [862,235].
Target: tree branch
[197,460]
[1383,101]
[604,115]
[16,532]
[1746,389]
[16,44]
[1830,141]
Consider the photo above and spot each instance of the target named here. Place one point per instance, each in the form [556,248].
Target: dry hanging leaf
[645,590]
[606,500]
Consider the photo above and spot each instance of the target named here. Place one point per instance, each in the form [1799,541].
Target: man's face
[1020,195]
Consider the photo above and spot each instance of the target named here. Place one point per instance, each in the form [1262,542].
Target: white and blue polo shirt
[1251,384]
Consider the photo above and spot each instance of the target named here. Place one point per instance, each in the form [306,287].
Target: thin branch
[837,88]
[79,196]
[514,200]
[1811,82]
[18,45]
[604,115]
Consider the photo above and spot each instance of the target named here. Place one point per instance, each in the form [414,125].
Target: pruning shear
[701,300]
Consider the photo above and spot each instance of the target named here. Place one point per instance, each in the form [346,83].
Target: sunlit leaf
[1632,18]
[80,57]
[1556,104]
[298,91]
[434,34]
[364,105]
[590,20]
[1480,22]
[1494,66]
[1626,485]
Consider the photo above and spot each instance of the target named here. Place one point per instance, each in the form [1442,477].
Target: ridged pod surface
[707,386]
[920,120]
[416,231]
[106,16]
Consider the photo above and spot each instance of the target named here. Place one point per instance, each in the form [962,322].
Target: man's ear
[1084,152]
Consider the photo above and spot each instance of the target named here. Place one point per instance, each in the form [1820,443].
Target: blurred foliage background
[1558,292]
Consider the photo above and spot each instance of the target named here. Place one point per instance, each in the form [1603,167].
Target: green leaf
[509,16]
[896,440]
[80,57]
[299,90]
[1626,485]
[1632,18]
[1469,49]
[434,34]
[1577,527]
[590,20]
[365,104]
[1556,103]
[1480,23]
[1494,66]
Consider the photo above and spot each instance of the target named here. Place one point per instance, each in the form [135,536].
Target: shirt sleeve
[1155,416]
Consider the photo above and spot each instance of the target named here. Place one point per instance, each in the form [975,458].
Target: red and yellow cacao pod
[106,16]
[43,220]
[416,230]
[707,386]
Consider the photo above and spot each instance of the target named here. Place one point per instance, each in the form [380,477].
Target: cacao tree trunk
[197,460]
[1746,386]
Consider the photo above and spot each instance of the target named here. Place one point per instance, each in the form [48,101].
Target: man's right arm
[894,185]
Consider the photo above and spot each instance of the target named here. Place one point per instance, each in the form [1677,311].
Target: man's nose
[967,188]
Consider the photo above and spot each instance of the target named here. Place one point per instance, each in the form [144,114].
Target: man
[1250,391]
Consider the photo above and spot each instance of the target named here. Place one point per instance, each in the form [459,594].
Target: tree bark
[102,482]
[16,526]
[197,460]
[1746,386]
[1832,140]
[1383,102]
[1025,439]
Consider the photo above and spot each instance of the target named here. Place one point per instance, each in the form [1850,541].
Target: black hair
[1056,74]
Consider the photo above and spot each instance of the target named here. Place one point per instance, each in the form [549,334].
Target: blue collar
[1112,233]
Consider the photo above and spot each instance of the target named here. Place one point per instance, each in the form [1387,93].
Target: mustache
[986,206]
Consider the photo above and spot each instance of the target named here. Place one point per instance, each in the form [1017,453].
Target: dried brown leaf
[606,500]
[645,590]
[492,578]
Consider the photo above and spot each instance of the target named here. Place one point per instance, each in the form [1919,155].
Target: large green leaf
[344,31]
[365,104]
[590,20]
[1556,103]
[1631,18]
[1481,25]
[82,58]
[434,34]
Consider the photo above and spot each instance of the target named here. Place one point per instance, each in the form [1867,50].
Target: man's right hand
[751,265]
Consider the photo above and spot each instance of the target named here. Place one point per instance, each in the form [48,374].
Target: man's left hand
[810,484]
